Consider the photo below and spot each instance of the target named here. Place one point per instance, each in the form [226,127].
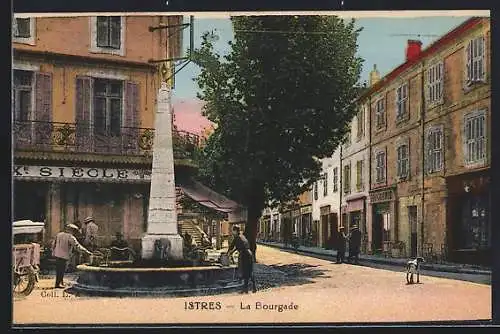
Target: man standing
[64,244]
[245,257]
[341,240]
[354,244]
[91,230]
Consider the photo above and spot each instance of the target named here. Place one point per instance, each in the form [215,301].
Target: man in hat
[91,230]
[245,258]
[63,246]
[354,244]
[340,245]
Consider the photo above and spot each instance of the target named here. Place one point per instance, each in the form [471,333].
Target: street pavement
[309,290]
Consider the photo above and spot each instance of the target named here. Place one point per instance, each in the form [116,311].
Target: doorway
[30,200]
[412,218]
[334,225]
[324,231]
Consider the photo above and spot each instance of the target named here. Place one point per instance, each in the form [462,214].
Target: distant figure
[91,230]
[340,245]
[64,244]
[76,258]
[354,244]
[245,258]
[205,241]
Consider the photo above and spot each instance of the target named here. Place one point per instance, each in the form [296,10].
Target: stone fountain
[162,268]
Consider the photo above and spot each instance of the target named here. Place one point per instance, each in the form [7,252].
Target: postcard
[251,168]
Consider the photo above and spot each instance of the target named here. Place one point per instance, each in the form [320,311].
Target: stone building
[84,94]
[429,150]
[326,200]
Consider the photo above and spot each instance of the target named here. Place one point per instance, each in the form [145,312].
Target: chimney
[413,49]
[374,76]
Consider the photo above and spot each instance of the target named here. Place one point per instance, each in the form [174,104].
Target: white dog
[413,267]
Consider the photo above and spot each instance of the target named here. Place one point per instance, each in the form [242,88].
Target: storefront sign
[306,209]
[324,210]
[81,173]
[356,205]
[382,196]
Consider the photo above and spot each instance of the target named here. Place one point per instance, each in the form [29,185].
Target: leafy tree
[281,100]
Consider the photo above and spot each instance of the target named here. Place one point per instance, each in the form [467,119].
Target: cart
[26,256]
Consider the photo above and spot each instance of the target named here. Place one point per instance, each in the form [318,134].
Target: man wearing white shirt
[64,244]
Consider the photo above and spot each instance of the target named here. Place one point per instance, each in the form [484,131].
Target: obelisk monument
[161,229]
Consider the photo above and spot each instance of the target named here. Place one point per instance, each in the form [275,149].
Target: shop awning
[211,199]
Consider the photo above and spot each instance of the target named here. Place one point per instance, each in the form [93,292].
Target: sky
[382,42]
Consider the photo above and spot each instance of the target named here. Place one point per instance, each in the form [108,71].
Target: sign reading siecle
[81,173]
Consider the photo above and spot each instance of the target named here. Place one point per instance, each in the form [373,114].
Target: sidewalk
[366,259]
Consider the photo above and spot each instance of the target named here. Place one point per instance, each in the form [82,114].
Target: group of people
[70,240]
[354,238]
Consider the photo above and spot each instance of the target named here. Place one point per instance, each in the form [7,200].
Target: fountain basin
[127,279]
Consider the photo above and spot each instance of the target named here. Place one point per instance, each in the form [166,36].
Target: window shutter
[15,29]
[469,63]
[82,115]
[43,108]
[115,32]
[131,116]
[441,81]
[102,31]
[408,143]
[483,59]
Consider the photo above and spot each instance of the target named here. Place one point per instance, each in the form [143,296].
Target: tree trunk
[251,230]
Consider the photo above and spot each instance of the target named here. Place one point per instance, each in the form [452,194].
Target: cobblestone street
[313,290]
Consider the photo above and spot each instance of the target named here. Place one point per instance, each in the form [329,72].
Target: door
[324,230]
[412,218]
[108,212]
[334,225]
[377,235]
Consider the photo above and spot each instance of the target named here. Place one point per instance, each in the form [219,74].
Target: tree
[281,101]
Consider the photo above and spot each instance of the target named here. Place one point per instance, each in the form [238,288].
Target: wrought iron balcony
[84,138]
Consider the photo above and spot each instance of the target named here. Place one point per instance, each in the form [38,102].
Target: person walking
[340,243]
[245,258]
[64,244]
[91,230]
[354,244]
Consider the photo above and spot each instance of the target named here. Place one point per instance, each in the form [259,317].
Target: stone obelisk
[162,217]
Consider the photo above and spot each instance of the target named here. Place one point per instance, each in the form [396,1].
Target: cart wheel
[23,282]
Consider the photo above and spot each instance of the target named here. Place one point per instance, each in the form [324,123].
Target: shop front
[356,213]
[469,219]
[306,221]
[117,198]
[383,229]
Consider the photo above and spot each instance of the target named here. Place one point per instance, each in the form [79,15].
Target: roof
[443,41]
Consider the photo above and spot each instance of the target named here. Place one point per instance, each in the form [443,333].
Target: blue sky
[377,43]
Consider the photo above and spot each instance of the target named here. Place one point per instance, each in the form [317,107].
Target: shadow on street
[269,276]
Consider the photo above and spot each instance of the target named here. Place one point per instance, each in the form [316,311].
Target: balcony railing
[84,138]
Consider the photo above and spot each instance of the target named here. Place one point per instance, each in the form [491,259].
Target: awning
[27,227]
[209,198]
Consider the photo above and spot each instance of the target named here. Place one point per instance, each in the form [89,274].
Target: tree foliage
[281,100]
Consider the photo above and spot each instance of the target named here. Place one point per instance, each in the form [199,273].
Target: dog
[412,268]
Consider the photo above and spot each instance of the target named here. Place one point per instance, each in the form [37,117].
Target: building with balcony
[84,96]
[430,150]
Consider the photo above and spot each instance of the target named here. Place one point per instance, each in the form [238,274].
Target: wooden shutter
[43,109]
[102,31]
[441,78]
[115,27]
[468,61]
[131,122]
[82,112]
[482,45]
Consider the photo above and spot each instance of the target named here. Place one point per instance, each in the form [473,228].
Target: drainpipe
[422,120]
[341,190]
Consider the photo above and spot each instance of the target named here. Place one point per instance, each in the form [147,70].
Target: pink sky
[188,116]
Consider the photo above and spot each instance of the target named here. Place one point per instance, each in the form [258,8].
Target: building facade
[84,96]
[429,191]
[326,200]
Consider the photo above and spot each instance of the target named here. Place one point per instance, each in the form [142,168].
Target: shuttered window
[475,137]
[380,113]
[325,184]
[435,76]
[359,175]
[380,167]
[401,102]
[335,179]
[403,155]
[109,32]
[475,62]
[347,179]
[315,190]
[434,149]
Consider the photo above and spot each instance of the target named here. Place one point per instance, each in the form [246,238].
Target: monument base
[174,241]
